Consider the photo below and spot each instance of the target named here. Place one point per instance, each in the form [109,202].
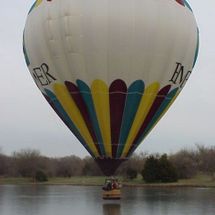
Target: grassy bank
[198,181]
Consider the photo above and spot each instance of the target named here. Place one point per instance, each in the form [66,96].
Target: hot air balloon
[110,68]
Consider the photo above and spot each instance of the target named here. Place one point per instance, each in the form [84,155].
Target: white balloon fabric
[110,68]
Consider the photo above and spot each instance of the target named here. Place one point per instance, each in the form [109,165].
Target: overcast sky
[27,121]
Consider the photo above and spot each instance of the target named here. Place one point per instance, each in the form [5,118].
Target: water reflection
[111,209]
[170,201]
[75,200]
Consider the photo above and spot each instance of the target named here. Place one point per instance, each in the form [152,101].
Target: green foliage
[40,176]
[150,170]
[3,164]
[158,170]
[131,173]
[167,171]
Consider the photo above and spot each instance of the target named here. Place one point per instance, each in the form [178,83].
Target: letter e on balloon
[42,76]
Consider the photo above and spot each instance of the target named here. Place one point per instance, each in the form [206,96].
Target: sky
[28,122]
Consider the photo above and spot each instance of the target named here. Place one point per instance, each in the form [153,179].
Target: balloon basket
[111,189]
[112,194]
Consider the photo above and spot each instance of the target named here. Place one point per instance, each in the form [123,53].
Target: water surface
[65,200]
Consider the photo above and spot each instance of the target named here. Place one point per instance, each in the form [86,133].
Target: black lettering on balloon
[180,76]
[45,69]
[42,75]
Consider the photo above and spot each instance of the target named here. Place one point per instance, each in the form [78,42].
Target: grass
[198,181]
[18,181]
[82,180]
[78,180]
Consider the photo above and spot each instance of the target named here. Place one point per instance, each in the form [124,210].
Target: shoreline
[200,181]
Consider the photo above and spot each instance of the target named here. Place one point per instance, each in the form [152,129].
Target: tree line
[183,164]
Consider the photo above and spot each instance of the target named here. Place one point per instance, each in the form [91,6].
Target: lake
[80,200]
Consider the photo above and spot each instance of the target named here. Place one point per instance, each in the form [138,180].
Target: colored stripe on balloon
[133,98]
[55,104]
[188,6]
[36,4]
[181,2]
[167,102]
[100,95]
[155,106]
[76,95]
[87,97]
[72,110]
[143,109]
[27,61]
[197,48]
[170,98]
[117,96]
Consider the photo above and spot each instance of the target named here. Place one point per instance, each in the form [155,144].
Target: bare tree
[186,163]
[27,162]
[90,167]
[207,160]
[136,163]
[69,166]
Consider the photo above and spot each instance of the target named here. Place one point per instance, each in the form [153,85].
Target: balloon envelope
[110,69]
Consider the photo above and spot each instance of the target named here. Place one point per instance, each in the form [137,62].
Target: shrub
[131,173]
[158,170]
[150,170]
[167,172]
[40,176]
